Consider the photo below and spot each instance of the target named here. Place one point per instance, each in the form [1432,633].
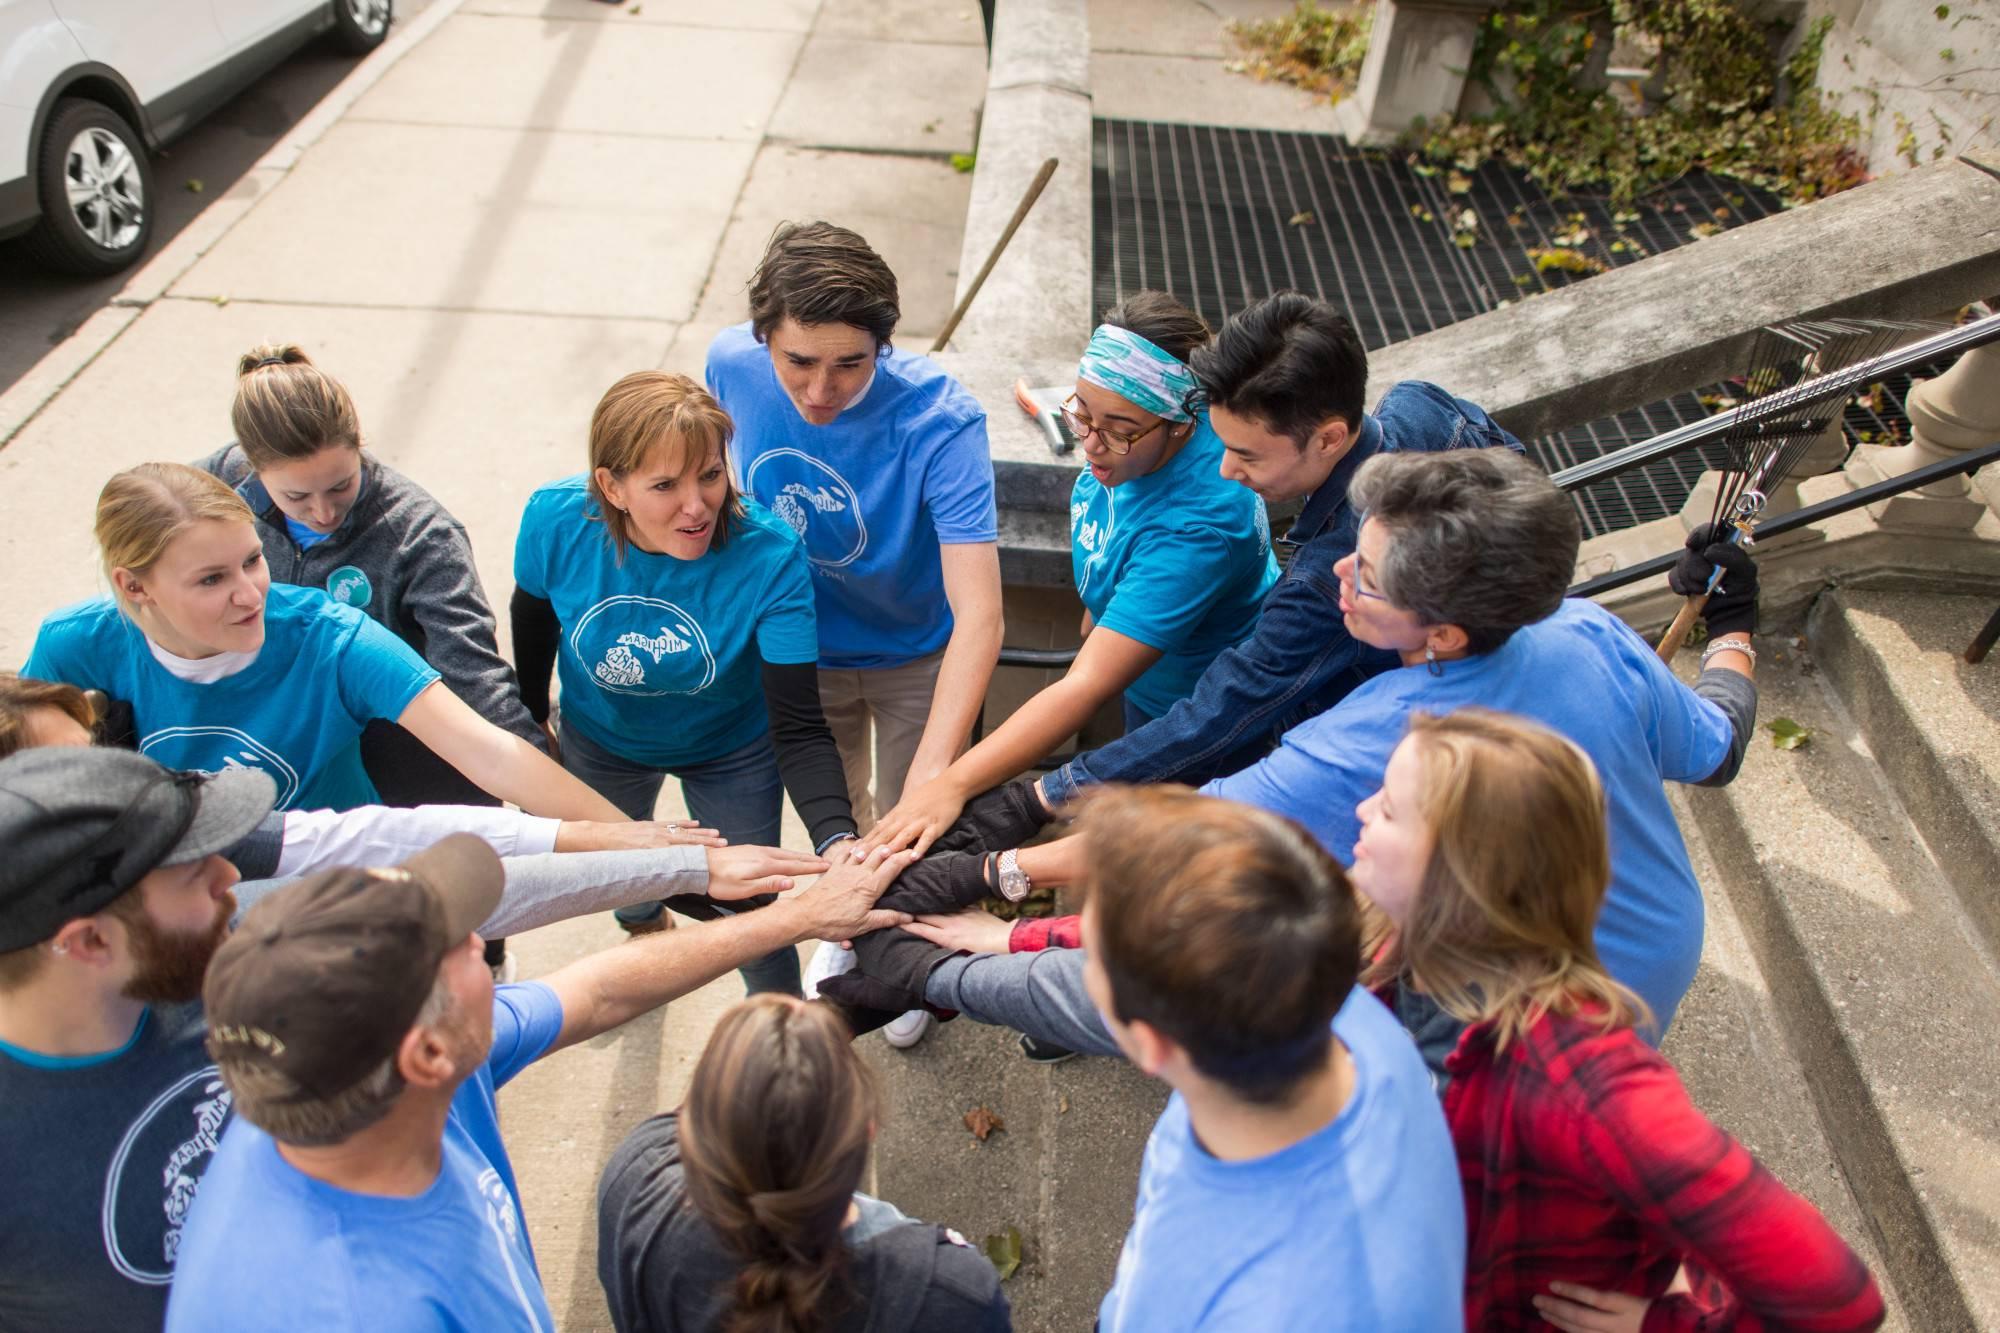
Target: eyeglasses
[1083,427]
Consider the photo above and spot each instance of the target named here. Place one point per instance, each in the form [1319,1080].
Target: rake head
[1787,403]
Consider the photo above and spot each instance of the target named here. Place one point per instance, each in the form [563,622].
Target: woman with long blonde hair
[225,670]
[1591,1179]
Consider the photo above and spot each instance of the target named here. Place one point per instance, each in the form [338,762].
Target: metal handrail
[1951,341]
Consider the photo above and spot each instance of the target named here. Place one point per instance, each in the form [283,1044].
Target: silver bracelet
[1728,646]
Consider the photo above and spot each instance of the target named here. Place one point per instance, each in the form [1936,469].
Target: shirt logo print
[815,501]
[643,646]
[218,749]
[132,1209]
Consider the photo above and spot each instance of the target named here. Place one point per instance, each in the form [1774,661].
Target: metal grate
[1221,217]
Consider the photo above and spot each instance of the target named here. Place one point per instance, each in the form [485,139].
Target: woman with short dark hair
[740,1213]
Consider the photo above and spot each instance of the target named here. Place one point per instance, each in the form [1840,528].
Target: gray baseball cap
[81,825]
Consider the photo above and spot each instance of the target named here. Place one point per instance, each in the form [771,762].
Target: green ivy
[1719,100]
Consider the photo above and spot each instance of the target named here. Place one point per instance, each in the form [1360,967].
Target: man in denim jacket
[1285,380]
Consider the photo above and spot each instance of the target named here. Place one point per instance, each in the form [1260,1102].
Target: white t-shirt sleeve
[375,835]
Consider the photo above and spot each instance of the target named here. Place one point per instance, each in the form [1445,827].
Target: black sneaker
[1045,1052]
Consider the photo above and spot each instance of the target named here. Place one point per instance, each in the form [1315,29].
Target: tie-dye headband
[1140,373]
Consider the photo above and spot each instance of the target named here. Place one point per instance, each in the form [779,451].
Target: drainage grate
[1222,217]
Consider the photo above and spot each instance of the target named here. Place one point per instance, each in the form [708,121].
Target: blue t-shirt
[659,660]
[267,1247]
[1179,559]
[306,537]
[874,493]
[1361,1226]
[297,712]
[1584,673]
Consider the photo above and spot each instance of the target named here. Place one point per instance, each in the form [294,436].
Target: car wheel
[96,190]
[360,25]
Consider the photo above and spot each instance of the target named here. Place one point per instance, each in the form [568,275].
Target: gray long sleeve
[1736,696]
[554,886]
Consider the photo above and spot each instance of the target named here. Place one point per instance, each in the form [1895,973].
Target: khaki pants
[895,702]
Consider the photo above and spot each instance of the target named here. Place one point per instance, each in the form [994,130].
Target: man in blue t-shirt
[1301,1175]
[363,1183]
[879,460]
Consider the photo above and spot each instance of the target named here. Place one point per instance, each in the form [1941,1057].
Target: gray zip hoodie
[401,557]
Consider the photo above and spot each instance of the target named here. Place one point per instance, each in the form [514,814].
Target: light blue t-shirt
[874,493]
[297,712]
[1361,1226]
[1179,559]
[1585,674]
[659,660]
[267,1247]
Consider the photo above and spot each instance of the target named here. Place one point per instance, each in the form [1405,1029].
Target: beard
[169,965]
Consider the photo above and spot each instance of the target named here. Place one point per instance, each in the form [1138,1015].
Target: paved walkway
[511,205]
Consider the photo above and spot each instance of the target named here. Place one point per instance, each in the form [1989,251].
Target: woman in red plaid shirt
[1597,1197]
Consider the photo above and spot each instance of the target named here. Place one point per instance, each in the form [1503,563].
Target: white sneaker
[828,960]
[908,1029]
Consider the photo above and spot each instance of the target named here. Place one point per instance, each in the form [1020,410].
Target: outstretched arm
[972,588]
[608,988]
[498,761]
[1104,666]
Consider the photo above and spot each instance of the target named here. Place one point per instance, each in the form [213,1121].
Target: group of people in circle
[1382,878]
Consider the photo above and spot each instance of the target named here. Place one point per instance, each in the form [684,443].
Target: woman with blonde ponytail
[1597,1197]
[333,516]
[740,1213]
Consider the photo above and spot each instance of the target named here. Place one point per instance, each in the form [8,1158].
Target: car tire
[359,26]
[96,189]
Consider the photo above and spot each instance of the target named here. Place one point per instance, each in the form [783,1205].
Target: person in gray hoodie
[741,1209]
[333,516]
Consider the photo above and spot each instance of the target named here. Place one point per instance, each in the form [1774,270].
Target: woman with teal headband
[1171,560]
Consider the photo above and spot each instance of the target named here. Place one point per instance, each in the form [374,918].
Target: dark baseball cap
[322,978]
[80,825]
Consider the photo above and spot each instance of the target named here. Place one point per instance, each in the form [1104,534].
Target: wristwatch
[1013,881]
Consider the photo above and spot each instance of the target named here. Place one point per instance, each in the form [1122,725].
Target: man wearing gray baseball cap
[359,1031]
[112,899]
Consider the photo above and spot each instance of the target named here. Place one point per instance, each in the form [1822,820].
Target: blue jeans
[739,795]
[1041,994]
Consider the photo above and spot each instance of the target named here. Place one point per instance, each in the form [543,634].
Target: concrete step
[1882,988]
[1065,1170]
[1931,720]
[1728,1042]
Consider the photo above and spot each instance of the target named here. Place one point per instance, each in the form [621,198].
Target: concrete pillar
[1415,68]
[1958,410]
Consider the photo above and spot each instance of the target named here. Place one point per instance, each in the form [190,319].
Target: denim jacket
[1300,660]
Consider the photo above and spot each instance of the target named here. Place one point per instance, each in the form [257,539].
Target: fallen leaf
[635,9]
[1005,1252]
[1704,229]
[963,163]
[194,185]
[1062,1105]
[222,300]
[983,1123]
[930,127]
[1787,734]
[1458,183]
[1301,219]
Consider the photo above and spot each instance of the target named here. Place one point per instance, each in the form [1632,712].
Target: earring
[1431,661]
[59,948]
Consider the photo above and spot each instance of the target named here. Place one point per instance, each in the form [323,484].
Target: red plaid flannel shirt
[1032,934]
[1584,1161]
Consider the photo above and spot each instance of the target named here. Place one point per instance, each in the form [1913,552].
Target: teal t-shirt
[660,657]
[1179,559]
[297,712]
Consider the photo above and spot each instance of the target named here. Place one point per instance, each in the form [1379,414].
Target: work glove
[995,820]
[1732,607]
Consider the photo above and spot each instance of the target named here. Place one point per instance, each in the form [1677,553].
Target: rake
[1788,401]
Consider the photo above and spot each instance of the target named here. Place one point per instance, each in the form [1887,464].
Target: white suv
[89,87]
